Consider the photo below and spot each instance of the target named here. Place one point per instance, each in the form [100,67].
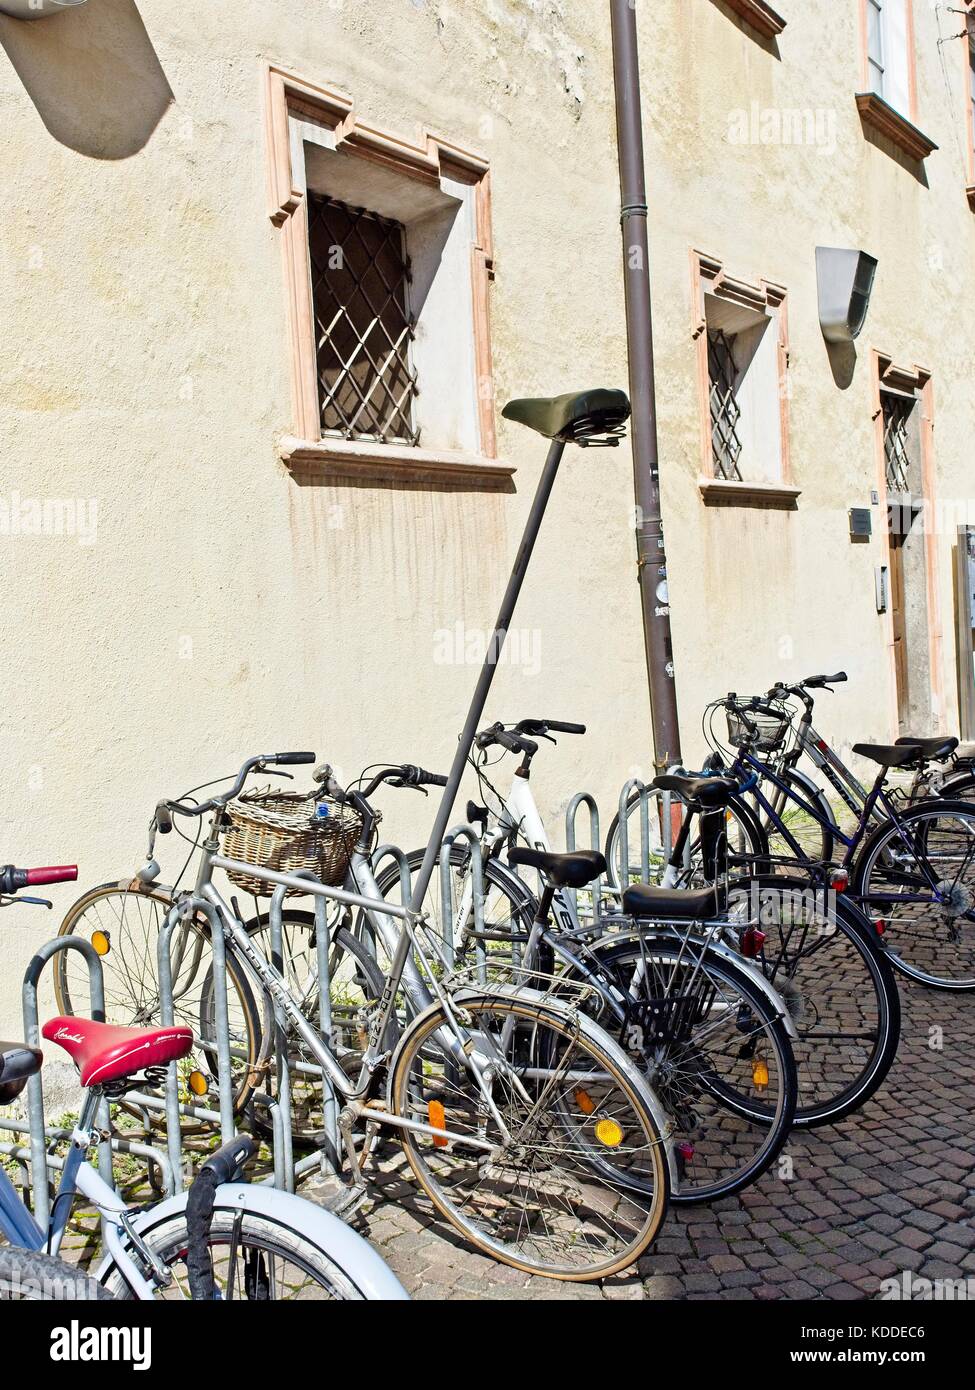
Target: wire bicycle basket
[288,832]
[763,730]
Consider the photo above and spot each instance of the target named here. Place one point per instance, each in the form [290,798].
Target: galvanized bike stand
[41,1135]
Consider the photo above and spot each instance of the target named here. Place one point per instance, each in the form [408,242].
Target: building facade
[268,271]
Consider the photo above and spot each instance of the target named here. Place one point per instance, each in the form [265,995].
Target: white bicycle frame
[519,814]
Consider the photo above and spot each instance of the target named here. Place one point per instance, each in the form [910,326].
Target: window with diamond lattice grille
[363,326]
[726,447]
[898,450]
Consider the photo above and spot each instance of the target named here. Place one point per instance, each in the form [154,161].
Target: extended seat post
[493,654]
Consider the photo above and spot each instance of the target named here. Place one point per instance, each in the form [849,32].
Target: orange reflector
[760,1073]
[608,1132]
[438,1118]
[197,1083]
[585,1101]
[102,942]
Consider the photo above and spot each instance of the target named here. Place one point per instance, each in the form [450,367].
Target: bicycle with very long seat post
[224,1239]
[482,1082]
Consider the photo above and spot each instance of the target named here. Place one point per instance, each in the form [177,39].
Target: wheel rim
[920,881]
[541,1204]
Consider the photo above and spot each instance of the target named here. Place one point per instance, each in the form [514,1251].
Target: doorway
[908,561]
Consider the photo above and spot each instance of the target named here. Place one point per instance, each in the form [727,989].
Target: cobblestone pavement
[888,1192]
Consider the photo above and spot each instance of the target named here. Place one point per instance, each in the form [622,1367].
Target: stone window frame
[876,113]
[291,103]
[759,16]
[709,277]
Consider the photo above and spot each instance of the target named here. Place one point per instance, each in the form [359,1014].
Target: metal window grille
[897,412]
[726,446]
[363,326]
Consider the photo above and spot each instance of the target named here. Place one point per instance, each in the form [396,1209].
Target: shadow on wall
[93,75]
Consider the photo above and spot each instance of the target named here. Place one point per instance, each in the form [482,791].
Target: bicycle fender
[592,1032]
[355,1256]
[721,948]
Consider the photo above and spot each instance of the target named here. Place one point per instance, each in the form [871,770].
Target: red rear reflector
[881,926]
[752,942]
[685,1150]
[839,880]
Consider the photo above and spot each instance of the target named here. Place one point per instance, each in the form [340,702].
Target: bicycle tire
[145,1012]
[256,1232]
[643,1215]
[616,955]
[870,894]
[749,842]
[872,979]
[30,1276]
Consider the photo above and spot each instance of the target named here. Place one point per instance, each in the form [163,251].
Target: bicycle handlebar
[13,879]
[510,739]
[780,691]
[543,726]
[164,809]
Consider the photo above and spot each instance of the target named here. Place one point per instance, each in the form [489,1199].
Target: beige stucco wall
[223,609]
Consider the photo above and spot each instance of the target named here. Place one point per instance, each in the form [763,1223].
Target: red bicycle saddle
[103,1052]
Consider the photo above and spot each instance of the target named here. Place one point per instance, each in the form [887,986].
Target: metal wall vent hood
[845,280]
[37,9]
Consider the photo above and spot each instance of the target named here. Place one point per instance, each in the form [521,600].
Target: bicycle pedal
[345,1201]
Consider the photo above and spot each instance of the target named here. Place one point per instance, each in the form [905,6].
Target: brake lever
[8,900]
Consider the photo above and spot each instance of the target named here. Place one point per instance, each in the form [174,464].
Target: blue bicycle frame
[747,765]
[17,1222]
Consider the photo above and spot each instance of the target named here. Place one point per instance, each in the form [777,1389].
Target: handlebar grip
[164,819]
[561,727]
[838,678]
[431,779]
[291,759]
[54,873]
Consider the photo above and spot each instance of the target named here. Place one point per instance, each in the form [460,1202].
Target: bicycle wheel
[714,1049]
[254,1257]
[918,877]
[580,1189]
[355,985]
[130,922]
[648,862]
[825,960]
[30,1277]
[815,840]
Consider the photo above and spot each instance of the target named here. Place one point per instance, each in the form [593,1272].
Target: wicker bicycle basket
[763,732]
[281,831]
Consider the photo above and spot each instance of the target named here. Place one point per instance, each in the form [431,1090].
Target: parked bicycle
[224,1238]
[911,867]
[720,1034]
